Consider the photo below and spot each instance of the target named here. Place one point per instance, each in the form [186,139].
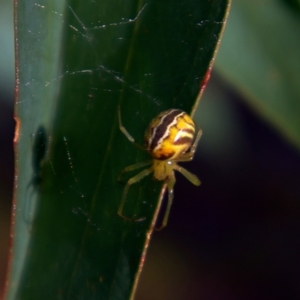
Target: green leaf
[259,56]
[76,63]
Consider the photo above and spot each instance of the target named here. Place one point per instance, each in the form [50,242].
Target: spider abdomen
[170,134]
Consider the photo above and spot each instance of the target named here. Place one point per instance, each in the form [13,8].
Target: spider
[169,139]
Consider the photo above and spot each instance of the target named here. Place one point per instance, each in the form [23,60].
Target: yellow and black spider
[169,139]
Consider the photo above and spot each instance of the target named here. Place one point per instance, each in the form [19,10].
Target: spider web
[86,32]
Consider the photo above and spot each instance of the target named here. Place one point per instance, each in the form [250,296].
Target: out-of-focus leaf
[6,55]
[77,61]
[260,57]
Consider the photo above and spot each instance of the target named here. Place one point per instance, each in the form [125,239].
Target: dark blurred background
[237,235]
[234,237]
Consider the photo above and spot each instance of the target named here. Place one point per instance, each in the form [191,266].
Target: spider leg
[188,175]
[126,133]
[170,184]
[133,167]
[131,181]
[195,144]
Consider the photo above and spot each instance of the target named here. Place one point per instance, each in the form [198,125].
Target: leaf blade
[75,242]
